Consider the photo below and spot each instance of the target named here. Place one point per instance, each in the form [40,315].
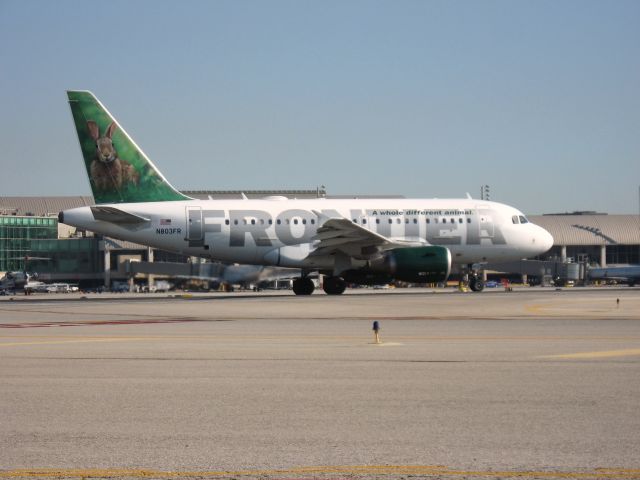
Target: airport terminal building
[31,239]
[581,240]
[593,238]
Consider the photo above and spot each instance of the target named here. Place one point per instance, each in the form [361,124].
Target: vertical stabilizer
[118,170]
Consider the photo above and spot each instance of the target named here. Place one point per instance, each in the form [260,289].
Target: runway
[530,384]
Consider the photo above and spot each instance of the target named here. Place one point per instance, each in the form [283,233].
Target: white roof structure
[590,228]
[41,206]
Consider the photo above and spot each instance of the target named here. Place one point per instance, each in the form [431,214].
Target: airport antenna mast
[485,192]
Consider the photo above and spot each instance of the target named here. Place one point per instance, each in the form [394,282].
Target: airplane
[21,281]
[247,275]
[629,274]
[223,274]
[364,241]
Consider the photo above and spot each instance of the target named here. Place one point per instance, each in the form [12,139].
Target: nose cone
[544,240]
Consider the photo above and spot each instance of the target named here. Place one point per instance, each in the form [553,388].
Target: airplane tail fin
[118,170]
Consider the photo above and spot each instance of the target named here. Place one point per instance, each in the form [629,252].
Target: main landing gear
[330,285]
[334,285]
[303,286]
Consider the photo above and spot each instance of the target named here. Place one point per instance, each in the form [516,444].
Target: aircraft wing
[341,235]
[117,216]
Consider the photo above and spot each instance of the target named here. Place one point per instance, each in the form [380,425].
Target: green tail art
[119,171]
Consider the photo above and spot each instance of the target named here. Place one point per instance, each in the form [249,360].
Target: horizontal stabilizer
[117,216]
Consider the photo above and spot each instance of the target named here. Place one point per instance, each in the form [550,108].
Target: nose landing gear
[476,284]
[474,278]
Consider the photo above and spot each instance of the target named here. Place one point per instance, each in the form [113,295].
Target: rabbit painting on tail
[108,172]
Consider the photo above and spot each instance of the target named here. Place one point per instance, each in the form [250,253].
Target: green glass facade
[69,256]
[38,237]
[17,235]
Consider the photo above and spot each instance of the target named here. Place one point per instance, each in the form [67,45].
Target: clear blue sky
[538,99]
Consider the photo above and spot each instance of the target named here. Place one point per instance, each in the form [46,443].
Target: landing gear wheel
[334,285]
[476,284]
[303,286]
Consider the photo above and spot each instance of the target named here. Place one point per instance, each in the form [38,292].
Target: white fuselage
[280,231]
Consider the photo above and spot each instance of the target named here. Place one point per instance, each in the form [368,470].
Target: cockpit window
[515,219]
[523,219]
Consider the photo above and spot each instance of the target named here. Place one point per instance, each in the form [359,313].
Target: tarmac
[534,383]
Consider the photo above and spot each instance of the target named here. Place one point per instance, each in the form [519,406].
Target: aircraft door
[486,226]
[486,223]
[195,227]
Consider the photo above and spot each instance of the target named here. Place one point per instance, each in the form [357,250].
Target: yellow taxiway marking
[328,471]
[26,340]
[606,354]
[533,308]
[599,306]
[80,340]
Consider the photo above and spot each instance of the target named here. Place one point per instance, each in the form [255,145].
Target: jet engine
[430,264]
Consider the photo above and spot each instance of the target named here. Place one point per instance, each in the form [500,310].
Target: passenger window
[304,221]
[235,222]
[459,220]
[398,221]
[313,221]
[295,221]
[364,221]
[270,222]
[377,221]
[253,221]
[390,221]
[226,222]
[468,220]
[279,222]
[452,220]
[415,220]
[428,220]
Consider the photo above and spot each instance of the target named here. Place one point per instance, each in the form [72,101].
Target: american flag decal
[165,221]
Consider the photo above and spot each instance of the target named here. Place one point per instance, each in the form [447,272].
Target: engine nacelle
[430,264]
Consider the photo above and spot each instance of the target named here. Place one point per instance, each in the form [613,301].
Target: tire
[303,286]
[334,285]
[476,284]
